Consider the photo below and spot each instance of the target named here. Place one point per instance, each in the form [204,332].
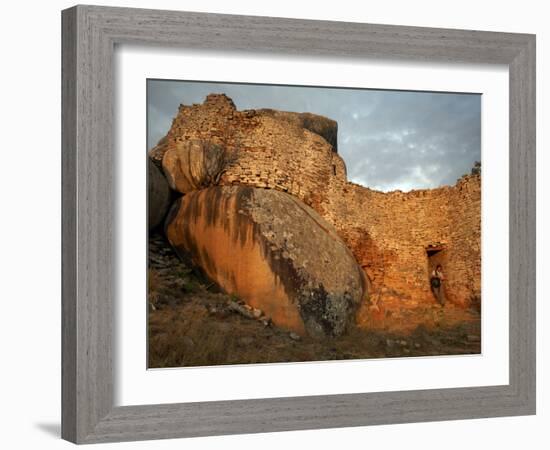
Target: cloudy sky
[389,139]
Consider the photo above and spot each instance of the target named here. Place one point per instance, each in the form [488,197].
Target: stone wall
[388,233]
[265,151]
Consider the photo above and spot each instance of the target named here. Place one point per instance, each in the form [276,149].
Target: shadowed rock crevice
[158,196]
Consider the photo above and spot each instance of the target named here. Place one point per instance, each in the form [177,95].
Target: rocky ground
[191,324]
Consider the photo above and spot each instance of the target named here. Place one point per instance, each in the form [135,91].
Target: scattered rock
[240,309]
[294,336]
[266,321]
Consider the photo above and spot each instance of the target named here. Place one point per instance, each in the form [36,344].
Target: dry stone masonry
[396,238]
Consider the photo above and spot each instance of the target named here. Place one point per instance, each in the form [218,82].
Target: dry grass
[188,325]
[153,287]
[188,335]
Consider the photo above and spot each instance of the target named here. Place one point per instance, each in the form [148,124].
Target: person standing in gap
[436,283]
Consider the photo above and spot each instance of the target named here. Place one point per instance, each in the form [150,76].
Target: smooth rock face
[193,164]
[158,200]
[272,251]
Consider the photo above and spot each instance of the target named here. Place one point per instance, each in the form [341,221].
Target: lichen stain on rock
[228,253]
[305,279]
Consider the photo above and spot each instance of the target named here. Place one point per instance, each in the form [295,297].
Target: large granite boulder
[274,252]
[158,198]
[193,164]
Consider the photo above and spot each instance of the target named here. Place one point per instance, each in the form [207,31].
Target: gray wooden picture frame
[90,34]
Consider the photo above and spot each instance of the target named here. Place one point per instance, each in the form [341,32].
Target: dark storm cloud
[388,139]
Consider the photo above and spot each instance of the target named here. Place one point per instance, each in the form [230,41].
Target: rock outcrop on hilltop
[274,252]
[394,237]
[264,148]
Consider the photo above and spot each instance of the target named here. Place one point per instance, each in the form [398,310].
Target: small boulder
[294,336]
[158,195]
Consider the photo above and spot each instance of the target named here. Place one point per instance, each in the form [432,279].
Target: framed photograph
[279,224]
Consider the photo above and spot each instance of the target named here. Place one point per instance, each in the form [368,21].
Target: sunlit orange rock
[193,164]
[274,252]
